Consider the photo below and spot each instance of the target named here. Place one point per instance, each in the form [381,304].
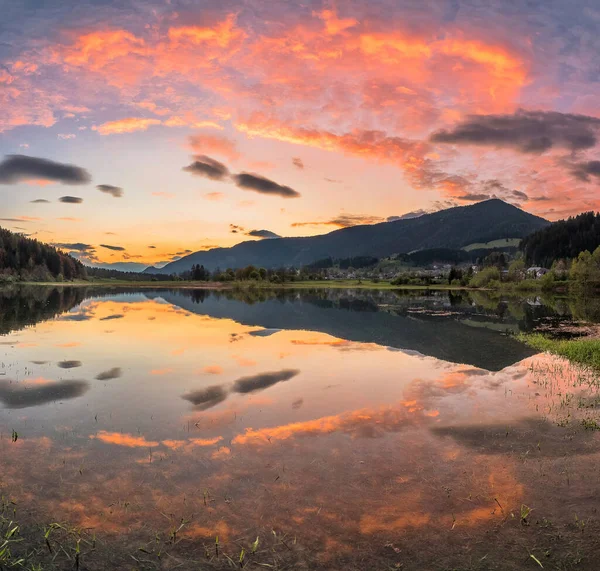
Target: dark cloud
[264,332]
[524,131]
[206,398]
[298,162]
[113,373]
[153,247]
[115,248]
[474,197]
[263,185]
[69,364]
[81,314]
[208,168]
[234,228]
[113,316]
[78,246]
[40,201]
[407,216]
[583,171]
[115,191]
[263,234]
[71,199]
[13,395]
[263,381]
[17,168]
[491,188]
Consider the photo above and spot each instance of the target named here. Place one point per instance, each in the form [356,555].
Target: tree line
[564,239]
[27,259]
[250,273]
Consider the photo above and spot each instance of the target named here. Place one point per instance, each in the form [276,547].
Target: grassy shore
[324,284]
[583,351]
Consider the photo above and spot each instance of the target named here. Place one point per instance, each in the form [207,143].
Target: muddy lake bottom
[342,429]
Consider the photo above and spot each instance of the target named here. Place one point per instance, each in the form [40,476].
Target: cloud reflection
[263,381]
[113,373]
[19,396]
[206,398]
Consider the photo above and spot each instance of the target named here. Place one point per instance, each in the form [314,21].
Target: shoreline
[341,284]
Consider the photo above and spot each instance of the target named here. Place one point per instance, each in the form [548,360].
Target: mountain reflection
[291,431]
[437,325]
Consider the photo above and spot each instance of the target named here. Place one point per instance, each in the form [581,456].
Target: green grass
[501,243]
[584,352]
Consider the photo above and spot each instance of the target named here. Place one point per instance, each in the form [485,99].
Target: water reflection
[39,391]
[357,450]
[113,373]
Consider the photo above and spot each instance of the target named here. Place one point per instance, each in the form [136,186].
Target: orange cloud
[129,125]
[224,34]
[159,372]
[221,453]
[302,84]
[206,441]
[213,370]
[38,381]
[341,344]
[320,70]
[207,144]
[354,423]
[192,442]
[411,156]
[243,361]
[127,440]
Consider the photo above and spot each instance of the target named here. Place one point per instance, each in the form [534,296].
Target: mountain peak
[452,228]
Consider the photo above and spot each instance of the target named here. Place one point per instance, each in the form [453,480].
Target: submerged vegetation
[584,352]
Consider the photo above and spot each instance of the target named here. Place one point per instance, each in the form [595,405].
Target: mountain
[452,228]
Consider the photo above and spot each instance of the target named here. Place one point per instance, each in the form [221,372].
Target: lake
[197,429]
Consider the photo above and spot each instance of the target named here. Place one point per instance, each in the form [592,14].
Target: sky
[140,132]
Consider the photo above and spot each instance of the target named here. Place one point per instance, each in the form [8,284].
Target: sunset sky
[142,131]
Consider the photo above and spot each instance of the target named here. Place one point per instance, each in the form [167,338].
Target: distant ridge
[452,228]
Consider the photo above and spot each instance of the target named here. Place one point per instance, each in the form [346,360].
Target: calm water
[345,430]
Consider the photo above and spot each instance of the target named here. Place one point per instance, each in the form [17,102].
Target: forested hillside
[25,259]
[562,240]
[453,228]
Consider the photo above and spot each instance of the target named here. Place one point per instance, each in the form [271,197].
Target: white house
[536,272]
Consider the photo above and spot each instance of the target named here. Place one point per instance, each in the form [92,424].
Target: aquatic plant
[584,352]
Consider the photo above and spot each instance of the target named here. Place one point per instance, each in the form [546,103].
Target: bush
[485,277]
